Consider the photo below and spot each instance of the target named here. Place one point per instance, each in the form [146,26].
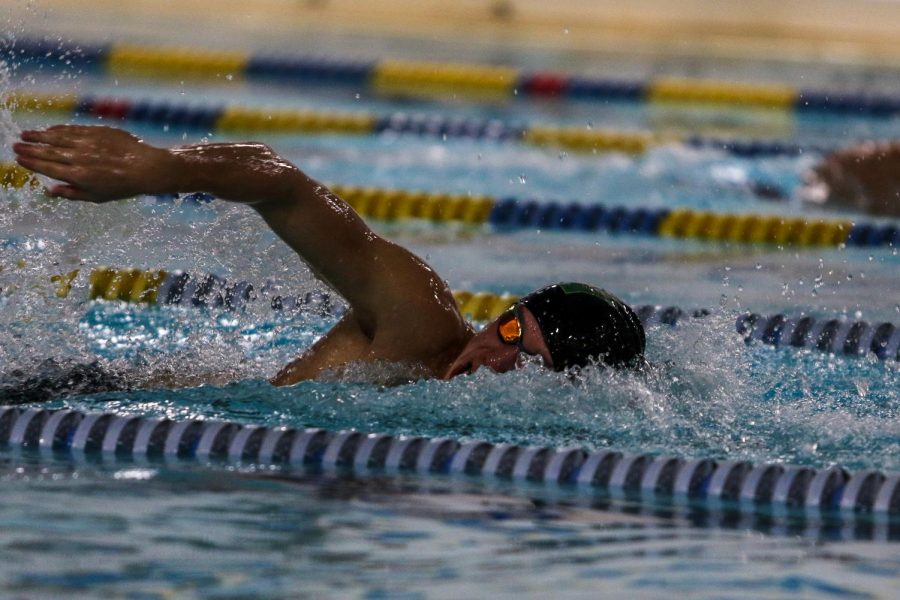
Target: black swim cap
[582,324]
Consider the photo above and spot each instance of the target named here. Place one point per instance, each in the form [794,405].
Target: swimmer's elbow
[289,375]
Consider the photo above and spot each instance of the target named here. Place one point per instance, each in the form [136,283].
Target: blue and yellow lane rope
[513,214]
[245,119]
[436,78]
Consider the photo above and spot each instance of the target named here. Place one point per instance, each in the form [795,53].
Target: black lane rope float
[736,485]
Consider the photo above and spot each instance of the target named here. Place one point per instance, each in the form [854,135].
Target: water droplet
[229,77]
[357,95]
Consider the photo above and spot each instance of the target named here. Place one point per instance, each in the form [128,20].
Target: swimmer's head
[567,325]
[582,325]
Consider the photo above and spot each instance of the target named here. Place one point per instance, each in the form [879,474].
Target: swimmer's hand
[864,178]
[100,164]
[94,164]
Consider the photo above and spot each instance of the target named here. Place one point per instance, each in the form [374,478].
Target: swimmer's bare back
[400,310]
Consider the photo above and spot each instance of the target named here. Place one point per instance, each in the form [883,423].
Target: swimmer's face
[487,348]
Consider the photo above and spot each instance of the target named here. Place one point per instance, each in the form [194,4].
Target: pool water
[158,529]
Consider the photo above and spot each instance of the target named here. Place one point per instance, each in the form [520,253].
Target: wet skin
[401,311]
[486,349]
[865,178]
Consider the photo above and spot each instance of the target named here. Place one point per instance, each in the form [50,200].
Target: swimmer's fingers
[56,170]
[77,180]
[71,192]
[60,135]
[80,136]
[44,152]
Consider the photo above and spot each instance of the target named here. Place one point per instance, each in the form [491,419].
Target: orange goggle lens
[509,328]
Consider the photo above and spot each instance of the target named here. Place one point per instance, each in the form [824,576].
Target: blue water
[157,530]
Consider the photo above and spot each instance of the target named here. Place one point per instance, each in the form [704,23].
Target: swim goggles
[509,328]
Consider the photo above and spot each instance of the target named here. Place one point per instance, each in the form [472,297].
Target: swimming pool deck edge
[826,31]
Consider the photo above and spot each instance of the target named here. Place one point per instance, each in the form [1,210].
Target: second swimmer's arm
[863,177]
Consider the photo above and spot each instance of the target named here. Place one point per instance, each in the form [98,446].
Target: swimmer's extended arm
[390,290]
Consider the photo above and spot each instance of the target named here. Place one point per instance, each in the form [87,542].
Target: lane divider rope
[508,214]
[427,78]
[736,485]
[244,119]
[834,336]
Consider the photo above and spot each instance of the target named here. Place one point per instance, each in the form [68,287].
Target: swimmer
[864,178]
[400,310]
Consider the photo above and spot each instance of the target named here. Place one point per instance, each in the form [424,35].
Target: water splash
[708,394]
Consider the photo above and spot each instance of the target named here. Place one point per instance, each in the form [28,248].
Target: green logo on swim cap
[575,287]
[578,288]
